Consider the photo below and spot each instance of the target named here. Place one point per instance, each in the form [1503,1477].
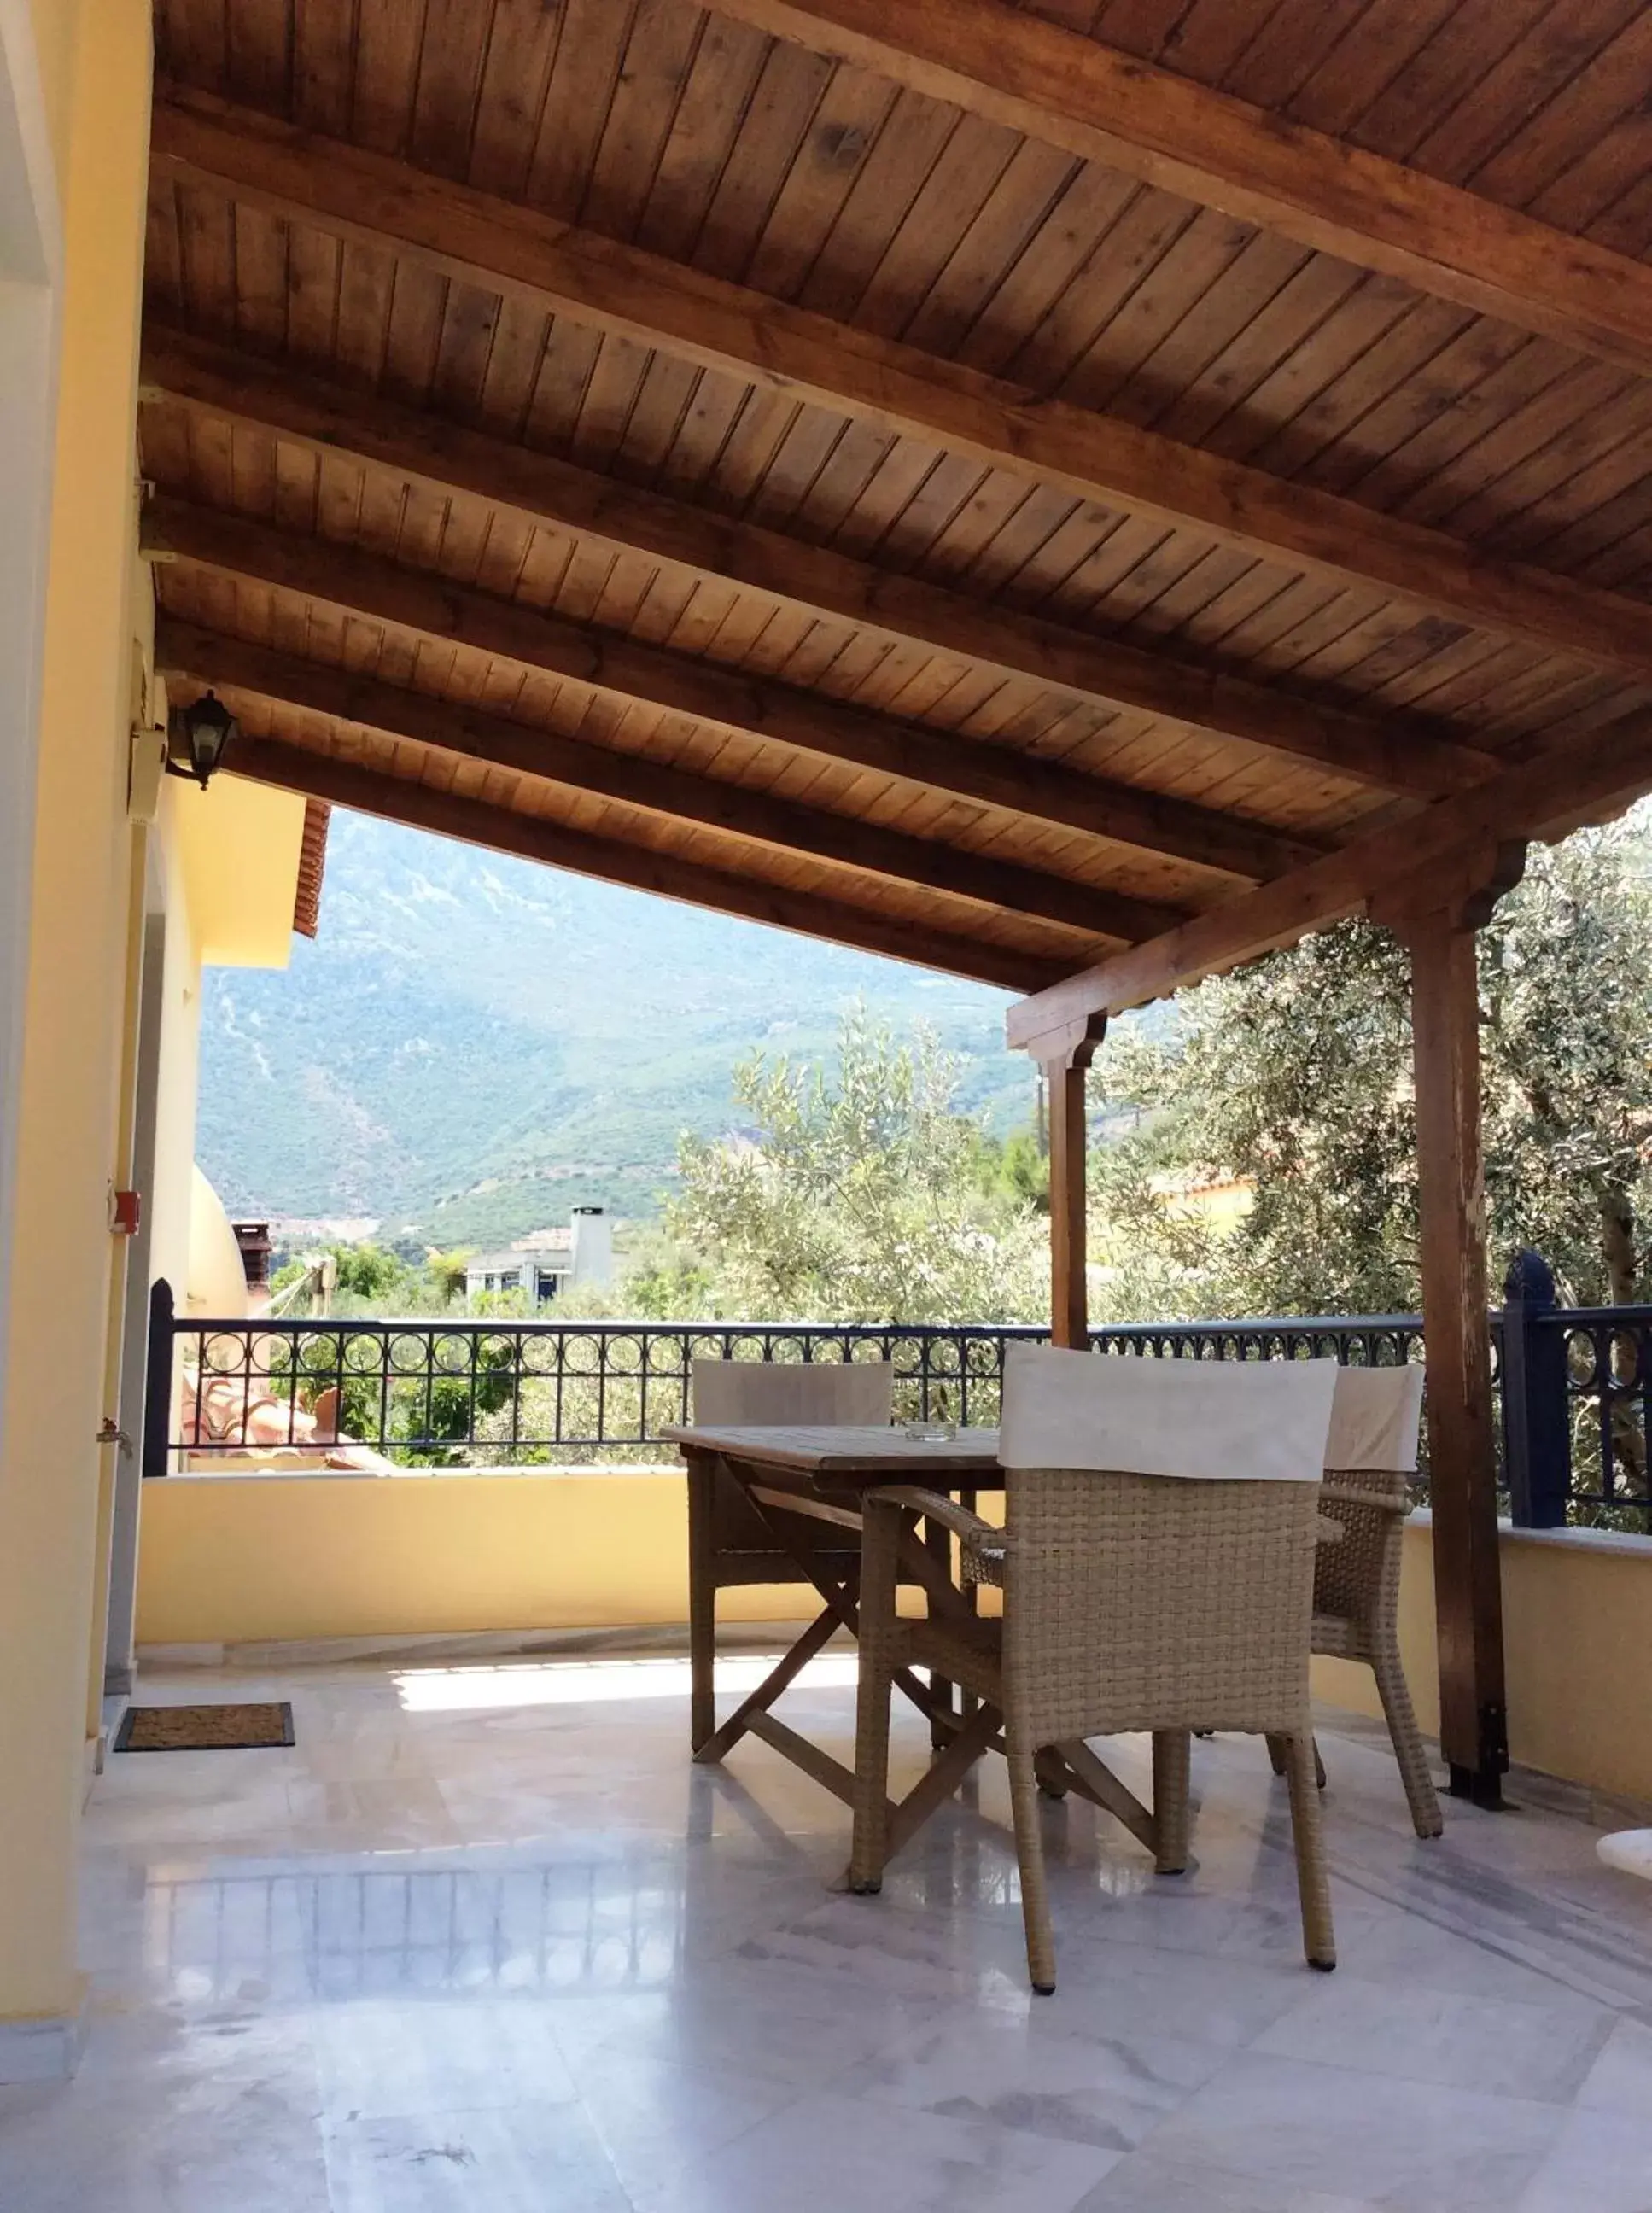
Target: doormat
[205,1728]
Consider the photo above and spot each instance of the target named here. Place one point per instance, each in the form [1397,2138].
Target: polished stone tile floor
[484,1941]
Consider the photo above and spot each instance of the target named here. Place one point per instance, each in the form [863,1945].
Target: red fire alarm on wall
[124,1209]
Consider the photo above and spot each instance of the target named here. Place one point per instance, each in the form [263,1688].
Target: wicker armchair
[1137,1600]
[727,1543]
[1372,1451]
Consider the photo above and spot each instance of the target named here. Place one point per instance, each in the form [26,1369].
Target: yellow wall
[217,1282]
[173,1175]
[1578,1625]
[1220,1205]
[67,1133]
[248,1559]
[236,846]
[226,860]
[56,25]
[244,1558]
[124,1176]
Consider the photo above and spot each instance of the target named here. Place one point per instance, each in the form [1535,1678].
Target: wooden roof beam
[1067,90]
[634,780]
[523,254]
[475,822]
[1577,781]
[436,607]
[1398,753]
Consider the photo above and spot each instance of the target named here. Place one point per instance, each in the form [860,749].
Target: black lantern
[206,727]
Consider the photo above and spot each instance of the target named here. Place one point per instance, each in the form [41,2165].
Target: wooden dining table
[804,1482]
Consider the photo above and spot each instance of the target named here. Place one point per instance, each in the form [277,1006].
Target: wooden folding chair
[728,1544]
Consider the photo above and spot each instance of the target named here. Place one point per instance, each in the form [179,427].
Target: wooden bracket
[1459,892]
[1073,1045]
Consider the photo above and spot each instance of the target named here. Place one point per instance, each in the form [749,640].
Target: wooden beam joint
[1442,857]
[1462,893]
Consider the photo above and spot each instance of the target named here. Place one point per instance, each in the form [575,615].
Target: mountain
[474,1043]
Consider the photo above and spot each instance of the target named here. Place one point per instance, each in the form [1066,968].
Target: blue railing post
[1536,1419]
[157,1379]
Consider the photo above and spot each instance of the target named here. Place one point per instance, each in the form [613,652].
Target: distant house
[544,1262]
[1221,1202]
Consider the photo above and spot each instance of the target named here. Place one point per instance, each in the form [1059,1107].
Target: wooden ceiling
[1074,489]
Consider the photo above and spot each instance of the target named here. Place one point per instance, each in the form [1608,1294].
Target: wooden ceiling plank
[1577,781]
[1013,213]
[1061,255]
[1399,754]
[388,36]
[893,171]
[791,352]
[1320,443]
[1205,37]
[522,50]
[720,85]
[1580,115]
[974,164]
[659,58]
[1208,259]
[774,122]
[636,781]
[1294,406]
[829,158]
[1285,329]
[1449,67]
[1015,69]
[1304,44]
[1073,327]
[477,822]
[579,92]
[451,53]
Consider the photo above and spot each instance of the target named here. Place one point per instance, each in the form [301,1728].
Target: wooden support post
[1065,1060]
[1462,1453]
[1456,1320]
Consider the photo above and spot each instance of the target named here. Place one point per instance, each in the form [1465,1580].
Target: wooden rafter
[632,780]
[1577,781]
[352,194]
[450,814]
[1398,754]
[1036,77]
[312,869]
[436,607]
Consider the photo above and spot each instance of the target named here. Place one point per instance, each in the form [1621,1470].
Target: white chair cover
[1265,1420]
[1375,1419]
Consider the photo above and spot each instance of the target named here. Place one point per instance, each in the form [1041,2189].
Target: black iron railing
[422,1392]
[1355,1340]
[1606,1353]
[426,1393]
[1573,1387]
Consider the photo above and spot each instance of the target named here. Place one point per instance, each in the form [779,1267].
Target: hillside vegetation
[475,1043]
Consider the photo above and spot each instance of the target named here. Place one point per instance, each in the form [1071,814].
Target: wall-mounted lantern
[200,731]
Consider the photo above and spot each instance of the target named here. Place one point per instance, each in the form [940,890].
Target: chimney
[592,1260]
[253,1238]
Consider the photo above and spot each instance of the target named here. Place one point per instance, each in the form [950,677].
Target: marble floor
[484,1941]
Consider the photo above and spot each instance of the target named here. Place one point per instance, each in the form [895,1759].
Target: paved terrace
[485,1940]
